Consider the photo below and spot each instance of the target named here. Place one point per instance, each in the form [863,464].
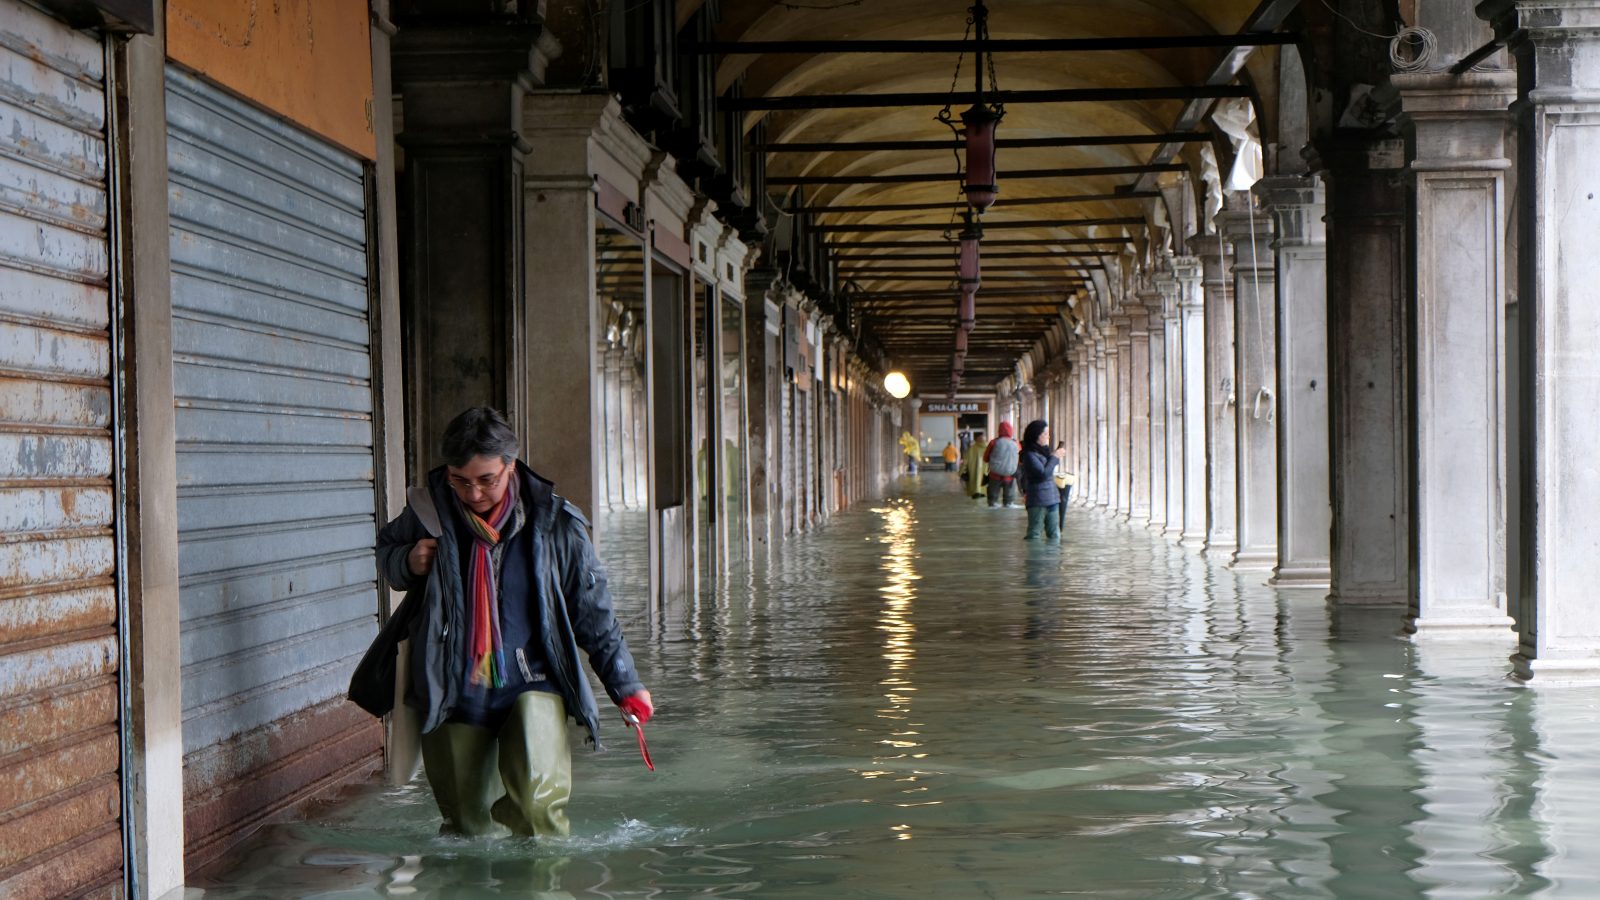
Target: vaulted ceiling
[1073,205]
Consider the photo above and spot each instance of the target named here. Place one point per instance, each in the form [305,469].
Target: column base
[1367,598]
[1491,626]
[1555,672]
[1220,550]
[1254,559]
[1309,577]
[1189,540]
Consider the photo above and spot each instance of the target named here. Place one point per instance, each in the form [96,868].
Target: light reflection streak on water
[899,593]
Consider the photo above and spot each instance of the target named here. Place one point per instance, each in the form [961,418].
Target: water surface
[912,702]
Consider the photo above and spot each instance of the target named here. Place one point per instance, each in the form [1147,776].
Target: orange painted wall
[307,60]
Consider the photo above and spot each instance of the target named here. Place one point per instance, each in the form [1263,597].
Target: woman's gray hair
[480,431]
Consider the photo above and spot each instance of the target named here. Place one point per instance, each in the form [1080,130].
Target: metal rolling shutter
[276,526]
[60,791]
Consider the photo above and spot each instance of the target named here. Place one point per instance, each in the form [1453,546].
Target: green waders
[516,781]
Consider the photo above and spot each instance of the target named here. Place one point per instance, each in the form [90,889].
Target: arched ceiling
[1029,269]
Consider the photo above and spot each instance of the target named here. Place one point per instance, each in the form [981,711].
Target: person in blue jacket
[1036,469]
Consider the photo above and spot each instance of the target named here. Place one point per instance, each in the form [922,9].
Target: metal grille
[272,375]
[60,795]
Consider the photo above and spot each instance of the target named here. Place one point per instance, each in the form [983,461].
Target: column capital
[1549,27]
[1249,233]
[1457,122]
[1211,250]
[1187,270]
[1297,204]
[1167,290]
[464,85]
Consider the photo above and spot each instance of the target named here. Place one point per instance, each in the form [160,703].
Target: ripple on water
[913,702]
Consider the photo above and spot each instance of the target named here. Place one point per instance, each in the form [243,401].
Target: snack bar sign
[961,406]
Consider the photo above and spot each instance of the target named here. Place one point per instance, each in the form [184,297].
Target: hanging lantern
[967,310]
[980,183]
[970,264]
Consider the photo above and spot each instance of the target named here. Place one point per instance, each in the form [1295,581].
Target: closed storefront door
[276,504]
[60,789]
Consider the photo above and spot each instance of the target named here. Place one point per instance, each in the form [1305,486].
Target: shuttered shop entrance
[276,525]
[60,794]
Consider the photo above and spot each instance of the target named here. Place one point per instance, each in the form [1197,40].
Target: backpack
[1003,457]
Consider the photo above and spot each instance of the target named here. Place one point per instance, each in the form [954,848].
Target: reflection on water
[913,702]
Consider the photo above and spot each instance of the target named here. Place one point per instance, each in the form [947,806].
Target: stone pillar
[1172,323]
[1556,44]
[1139,415]
[758,391]
[1085,452]
[1256,377]
[462,89]
[1458,126]
[1156,392]
[569,133]
[1222,515]
[1124,420]
[1367,224]
[1102,466]
[1305,512]
[1192,312]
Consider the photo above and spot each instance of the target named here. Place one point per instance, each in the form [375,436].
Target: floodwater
[911,702]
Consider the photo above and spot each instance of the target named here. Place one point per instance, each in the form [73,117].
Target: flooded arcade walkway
[914,703]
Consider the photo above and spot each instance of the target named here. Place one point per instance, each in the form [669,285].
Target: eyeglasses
[482,483]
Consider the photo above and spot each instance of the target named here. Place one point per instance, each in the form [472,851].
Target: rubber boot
[462,768]
[535,767]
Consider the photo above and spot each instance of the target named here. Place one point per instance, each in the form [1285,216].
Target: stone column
[1556,44]
[1124,420]
[1102,464]
[1256,378]
[1156,391]
[1172,323]
[615,428]
[1367,225]
[1222,515]
[1085,451]
[1305,512]
[562,324]
[1139,415]
[462,88]
[1192,313]
[1458,126]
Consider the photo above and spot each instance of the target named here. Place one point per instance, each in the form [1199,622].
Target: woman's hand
[420,559]
[638,705]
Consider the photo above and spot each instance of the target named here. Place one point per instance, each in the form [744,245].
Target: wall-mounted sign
[948,407]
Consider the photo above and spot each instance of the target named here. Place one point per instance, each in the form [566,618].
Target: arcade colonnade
[1373,373]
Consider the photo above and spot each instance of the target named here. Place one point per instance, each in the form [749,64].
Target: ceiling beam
[955,178]
[1001,203]
[843,258]
[1042,290]
[945,146]
[987,225]
[1265,19]
[1011,242]
[995,45]
[967,98]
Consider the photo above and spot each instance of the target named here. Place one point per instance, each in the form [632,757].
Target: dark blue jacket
[570,604]
[1035,469]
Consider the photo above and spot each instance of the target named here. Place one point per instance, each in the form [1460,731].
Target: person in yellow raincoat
[974,472]
[912,450]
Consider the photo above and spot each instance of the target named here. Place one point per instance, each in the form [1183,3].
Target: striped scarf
[488,655]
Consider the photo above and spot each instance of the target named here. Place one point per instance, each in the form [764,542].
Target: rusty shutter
[60,792]
[272,377]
